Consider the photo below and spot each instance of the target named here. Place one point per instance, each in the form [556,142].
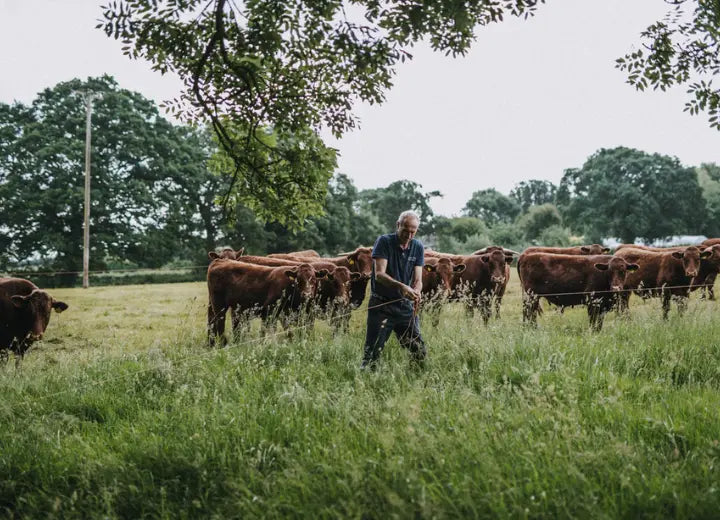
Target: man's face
[406,230]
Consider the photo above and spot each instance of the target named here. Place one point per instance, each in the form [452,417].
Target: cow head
[594,249]
[337,285]
[227,253]
[690,259]
[445,271]
[711,254]
[617,270]
[360,260]
[496,261]
[358,288]
[304,279]
[35,309]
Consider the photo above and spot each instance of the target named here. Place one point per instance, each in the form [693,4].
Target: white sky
[531,99]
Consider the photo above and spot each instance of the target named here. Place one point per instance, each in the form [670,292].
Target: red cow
[24,315]
[304,252]
[257,290]
[438,281]
[567,280]
[227,253]
[592,249]
[663,274]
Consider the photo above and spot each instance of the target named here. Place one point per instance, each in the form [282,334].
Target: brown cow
[567,280]
[482,281]
[438,281]
[24,315]
[333,294]
[709,265]
[257,290]
[663,274]
[592,249]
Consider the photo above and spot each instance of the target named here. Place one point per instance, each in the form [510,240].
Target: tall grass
[123,412]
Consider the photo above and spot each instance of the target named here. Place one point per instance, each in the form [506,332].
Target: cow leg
[485,307]
[622,307]
[596,315]
[710,286]
[4,356]
[682,302]
[666,297]
[216,323]
[531,304]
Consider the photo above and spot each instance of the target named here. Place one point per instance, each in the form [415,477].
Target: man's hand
[410,293]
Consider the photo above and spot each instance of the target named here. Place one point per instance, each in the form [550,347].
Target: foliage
[682,49]
[628,193]
[555,236]
[537,219]
[709,180]
[287,65]
[533,193]
[148,177]
[296,169]
[387,204]
[492,207]
[508,235]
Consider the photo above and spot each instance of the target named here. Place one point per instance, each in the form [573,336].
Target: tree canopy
[492,207]
[627,193]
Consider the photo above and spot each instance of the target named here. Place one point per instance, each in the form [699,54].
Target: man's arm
[417,279]
[385,279]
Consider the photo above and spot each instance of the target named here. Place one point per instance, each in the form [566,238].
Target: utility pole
[88,97]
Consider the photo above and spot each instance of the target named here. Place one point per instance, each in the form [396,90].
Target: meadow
[123,412]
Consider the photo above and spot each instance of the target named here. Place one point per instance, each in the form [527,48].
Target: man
[396,285]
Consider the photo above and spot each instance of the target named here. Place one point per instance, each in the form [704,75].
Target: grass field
[123,412]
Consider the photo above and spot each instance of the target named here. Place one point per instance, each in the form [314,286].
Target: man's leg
[407,329]
[379,327]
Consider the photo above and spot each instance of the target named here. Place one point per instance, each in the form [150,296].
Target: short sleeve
[381,249]
[420,257]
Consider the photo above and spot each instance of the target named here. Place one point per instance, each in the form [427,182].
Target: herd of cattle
[303,285]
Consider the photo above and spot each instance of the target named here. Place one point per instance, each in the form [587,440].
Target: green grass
[123,412]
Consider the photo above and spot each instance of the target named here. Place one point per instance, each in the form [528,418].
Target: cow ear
[585,249]
[606,250]
[706,253]
[430,268]
[240,252]
[291,273]
[18,301]
[485,258]
[602,267]
[677,254]
[59,306]
[459,268]
[508,259]
[355,276]
[212,255]
[352,258]
[632,267]
[322,273]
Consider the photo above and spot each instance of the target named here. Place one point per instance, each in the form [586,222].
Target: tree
[628,193]
[681,49]
[137,159]
[533,193]
[538,219]
[709,180]
[288,65]
[491,206]
[387,203]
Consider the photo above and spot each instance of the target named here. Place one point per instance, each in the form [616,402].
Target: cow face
[336,285]
[690,259]
[711,254]
[445,271]
[35,309]
[594,249]
[360,260]
[496,261]
[617,269]
[358,288]
[227,253]
[304,279]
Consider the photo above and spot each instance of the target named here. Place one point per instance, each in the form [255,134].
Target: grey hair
[408,214]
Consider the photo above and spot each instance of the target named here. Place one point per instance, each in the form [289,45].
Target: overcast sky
[531,99]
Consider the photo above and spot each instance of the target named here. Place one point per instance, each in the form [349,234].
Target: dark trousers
[384,319]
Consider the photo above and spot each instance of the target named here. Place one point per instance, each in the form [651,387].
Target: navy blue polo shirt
[400,263]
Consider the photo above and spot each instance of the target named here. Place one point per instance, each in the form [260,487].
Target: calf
[438,281]
[568,280]
[663,274]
[24,315]
[257,290]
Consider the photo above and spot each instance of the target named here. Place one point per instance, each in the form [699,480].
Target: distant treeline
[158,191]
